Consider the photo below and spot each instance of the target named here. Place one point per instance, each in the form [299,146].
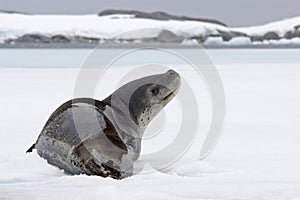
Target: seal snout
[173,76]
[172,73]
[172,83]
[173,80]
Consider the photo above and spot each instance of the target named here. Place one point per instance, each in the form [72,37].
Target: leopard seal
[103,138]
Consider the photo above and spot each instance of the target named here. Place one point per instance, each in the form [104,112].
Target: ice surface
[257,157]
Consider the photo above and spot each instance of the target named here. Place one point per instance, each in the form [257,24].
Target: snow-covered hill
[131,28]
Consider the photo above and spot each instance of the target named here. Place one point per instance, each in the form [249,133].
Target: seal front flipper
[31,148]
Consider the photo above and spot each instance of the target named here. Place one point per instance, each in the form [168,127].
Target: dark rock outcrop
[33,38]
[60,39]
[165,36]
[199,38]
[157,16]
[292,34]
[289,35]
[271,36]
[297,33]
[257,38]
[83,39]
[13,12]
[228,35]
[267,36]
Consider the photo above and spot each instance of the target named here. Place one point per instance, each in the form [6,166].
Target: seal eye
[155,91]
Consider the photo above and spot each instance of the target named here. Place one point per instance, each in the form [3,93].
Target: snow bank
[124,28]
[280,27]
[14,25]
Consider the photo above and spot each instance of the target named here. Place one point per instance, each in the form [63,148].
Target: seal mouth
[171,94]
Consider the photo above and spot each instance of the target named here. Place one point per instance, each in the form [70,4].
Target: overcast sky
[231,12]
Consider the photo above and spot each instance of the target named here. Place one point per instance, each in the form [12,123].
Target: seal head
[141,100]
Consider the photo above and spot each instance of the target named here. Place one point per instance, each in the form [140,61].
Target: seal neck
[120,115]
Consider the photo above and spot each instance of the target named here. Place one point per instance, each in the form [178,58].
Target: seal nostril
[171,72]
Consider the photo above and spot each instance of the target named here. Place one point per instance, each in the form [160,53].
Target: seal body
[77,130]
[87,136]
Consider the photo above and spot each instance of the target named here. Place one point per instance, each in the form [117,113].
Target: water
[74,58]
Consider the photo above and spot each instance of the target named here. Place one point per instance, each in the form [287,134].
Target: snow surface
[279,27]
[257,157]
